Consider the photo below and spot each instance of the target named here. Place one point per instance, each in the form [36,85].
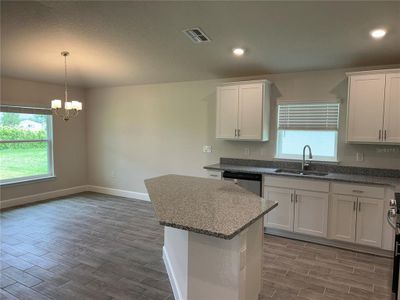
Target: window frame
[50,149]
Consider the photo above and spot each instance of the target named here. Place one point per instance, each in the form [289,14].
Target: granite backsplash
[330,168]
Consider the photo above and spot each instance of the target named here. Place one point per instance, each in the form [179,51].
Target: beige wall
[136,132]
[69,138]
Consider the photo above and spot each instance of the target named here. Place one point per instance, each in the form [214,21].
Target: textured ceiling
[118,43]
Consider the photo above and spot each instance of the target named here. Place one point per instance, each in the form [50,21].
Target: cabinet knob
[392,203]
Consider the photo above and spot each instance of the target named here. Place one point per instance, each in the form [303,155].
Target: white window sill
[27,181]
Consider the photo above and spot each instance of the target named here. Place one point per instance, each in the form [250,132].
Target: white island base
[203,267]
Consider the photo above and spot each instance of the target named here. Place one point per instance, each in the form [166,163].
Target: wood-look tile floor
[93,246]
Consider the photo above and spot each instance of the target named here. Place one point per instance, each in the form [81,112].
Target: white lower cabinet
[369,222]
[357,219]
[280,217]
[340,211]
[298,211]
[311,213]
[343,218]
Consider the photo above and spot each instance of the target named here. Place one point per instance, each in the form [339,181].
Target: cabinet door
[343,218]
[369,221]
[365,108]
[392,108]
[281,217]
[251,98]
[227,111]
[311,213]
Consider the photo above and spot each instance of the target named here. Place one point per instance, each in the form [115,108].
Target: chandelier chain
[65,79]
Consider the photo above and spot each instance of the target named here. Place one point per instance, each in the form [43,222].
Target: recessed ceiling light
[238,51]
[378,33]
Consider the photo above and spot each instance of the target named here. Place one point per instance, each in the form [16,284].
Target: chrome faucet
[305,165]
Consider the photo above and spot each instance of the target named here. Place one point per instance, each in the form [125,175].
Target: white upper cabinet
[373,107]
[243,111]
[227,111]
[366,100]
[391,125]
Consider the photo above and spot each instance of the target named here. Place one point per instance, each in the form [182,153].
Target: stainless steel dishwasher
[249,181]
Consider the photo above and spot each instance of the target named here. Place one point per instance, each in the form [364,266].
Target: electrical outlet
[207,149]
[360,156]
[247,151]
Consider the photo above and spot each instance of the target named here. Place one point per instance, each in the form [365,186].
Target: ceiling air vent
[196,35]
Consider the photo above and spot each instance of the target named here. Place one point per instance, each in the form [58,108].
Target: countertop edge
[216,234]
[212,167]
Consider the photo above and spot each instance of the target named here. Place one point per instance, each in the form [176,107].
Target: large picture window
[26,144]
[313,124]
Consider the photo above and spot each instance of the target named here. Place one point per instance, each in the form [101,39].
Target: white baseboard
[172,279]
[74,190]
[42,196]
[117,192]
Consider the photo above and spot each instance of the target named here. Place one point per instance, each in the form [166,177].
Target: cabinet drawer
[297,184]
[358,190]
[214,174]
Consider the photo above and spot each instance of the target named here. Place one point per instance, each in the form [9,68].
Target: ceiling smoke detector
[197,35]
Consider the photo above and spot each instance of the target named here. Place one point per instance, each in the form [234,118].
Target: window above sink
[308,124]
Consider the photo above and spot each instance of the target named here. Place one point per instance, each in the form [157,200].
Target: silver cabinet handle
[238,132]
[291,197]
[380,134]
[384,135]
[235,133]
[296,199]
[359,206]
[354,206]
[391,214]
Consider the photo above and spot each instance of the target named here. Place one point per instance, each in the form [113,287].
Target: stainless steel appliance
[393,217]
[249,181]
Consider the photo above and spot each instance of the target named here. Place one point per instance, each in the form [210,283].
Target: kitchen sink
[301,172]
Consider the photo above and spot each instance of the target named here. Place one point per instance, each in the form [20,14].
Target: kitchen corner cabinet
[374,107]
[243,111]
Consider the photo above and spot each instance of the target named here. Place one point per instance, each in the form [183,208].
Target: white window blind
[320,116]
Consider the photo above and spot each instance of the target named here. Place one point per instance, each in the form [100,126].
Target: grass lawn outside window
[26,151]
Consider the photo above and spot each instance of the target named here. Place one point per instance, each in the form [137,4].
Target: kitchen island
[213,236]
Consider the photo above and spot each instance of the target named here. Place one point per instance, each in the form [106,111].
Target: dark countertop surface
[353,178]
[212,207]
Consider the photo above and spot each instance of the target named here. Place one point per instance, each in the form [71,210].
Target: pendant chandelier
[70,109]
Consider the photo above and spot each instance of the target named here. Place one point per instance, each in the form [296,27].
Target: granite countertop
[354,178]
[213,207]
